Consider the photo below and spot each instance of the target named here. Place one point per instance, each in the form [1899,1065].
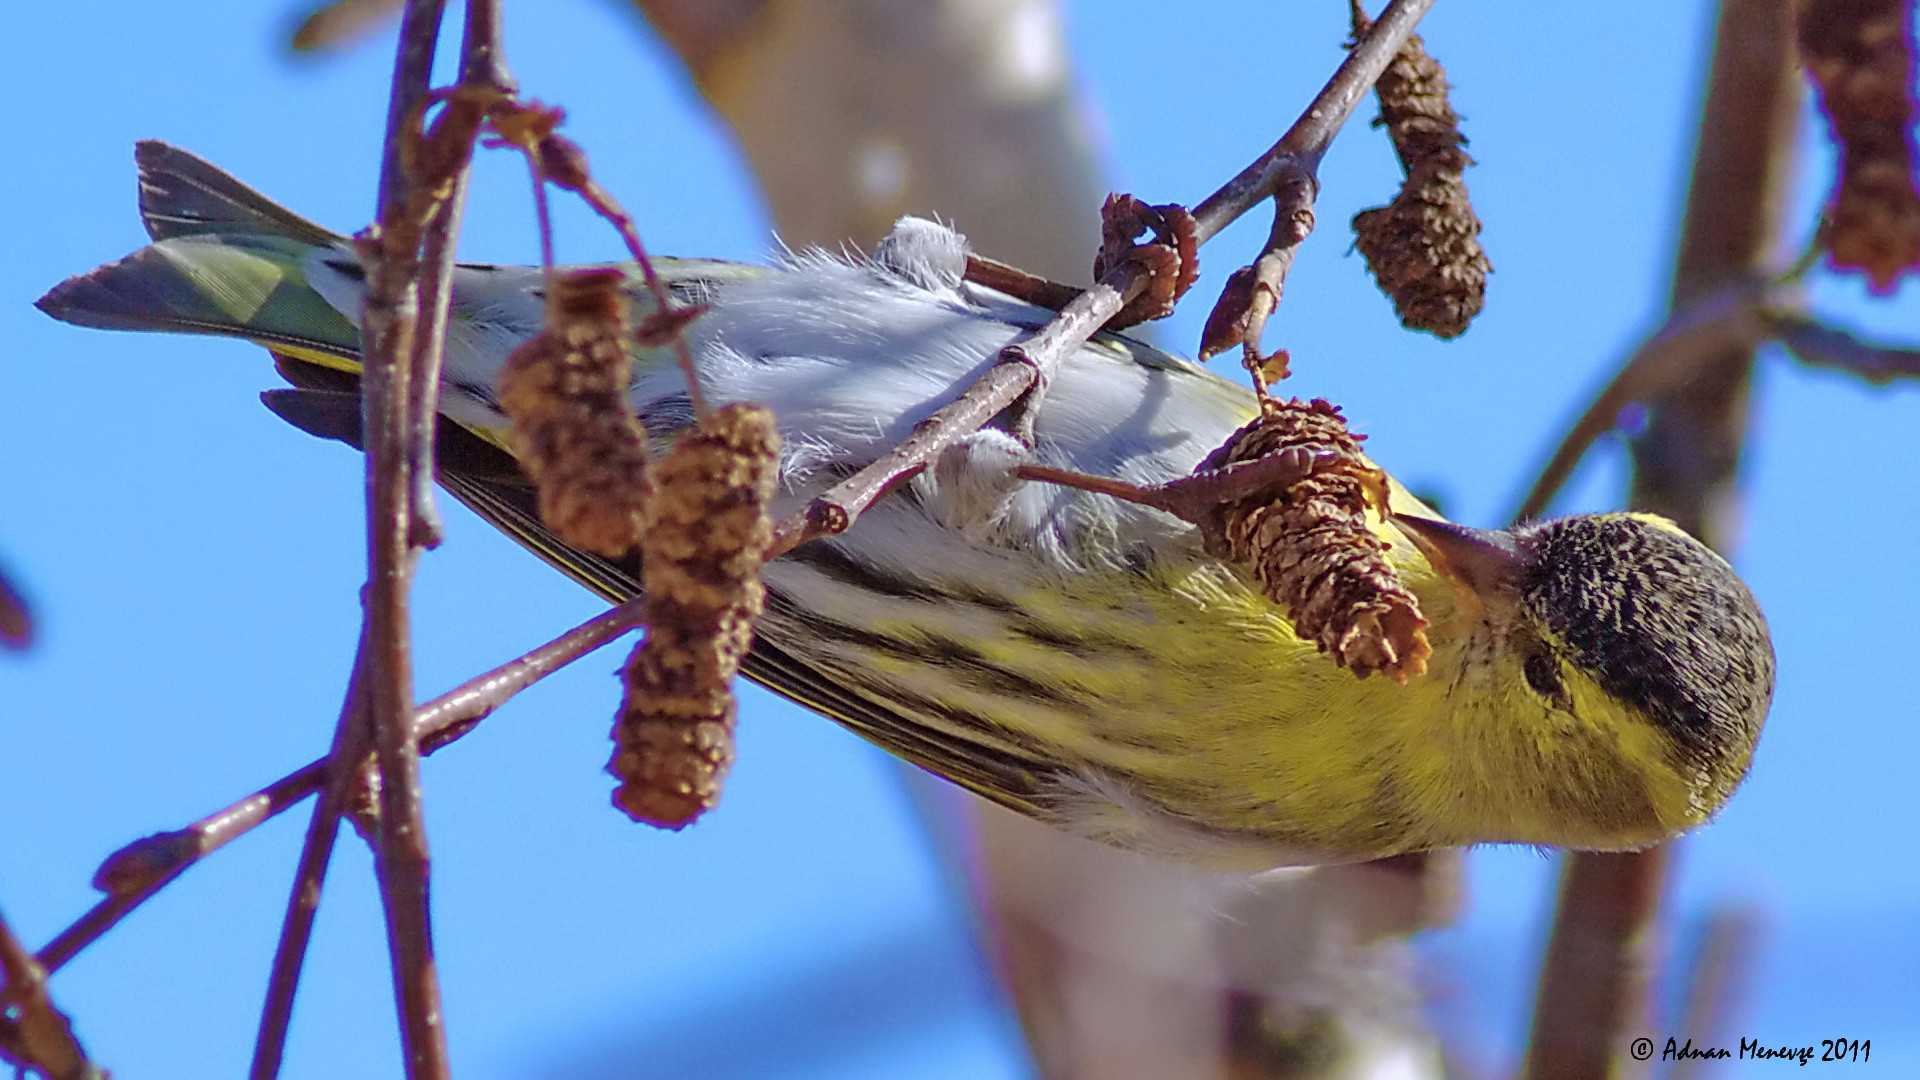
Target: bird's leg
[1198,497]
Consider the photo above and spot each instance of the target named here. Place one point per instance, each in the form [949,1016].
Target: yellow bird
[1597,681]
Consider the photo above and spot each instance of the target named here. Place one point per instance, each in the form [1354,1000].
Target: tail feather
[225,260]
[182,194]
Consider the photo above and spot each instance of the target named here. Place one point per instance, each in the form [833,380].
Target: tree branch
[34,1034]
[136,872]
[1816,344]
[1737,316]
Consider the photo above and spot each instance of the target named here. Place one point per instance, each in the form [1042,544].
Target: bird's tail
[225,260]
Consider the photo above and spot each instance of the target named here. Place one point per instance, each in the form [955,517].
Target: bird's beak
[1484,566]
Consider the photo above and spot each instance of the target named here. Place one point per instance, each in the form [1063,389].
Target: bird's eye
[1543,674]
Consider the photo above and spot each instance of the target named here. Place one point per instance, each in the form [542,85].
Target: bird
[1596,681]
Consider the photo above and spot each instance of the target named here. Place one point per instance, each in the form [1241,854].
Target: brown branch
[481,66]
[1197,498]
[1253,292]
[420,175]
[390,252]
[34,1034]
[1030,364]
[136,872]
[1021,367]
[389,324]
[303,902]
[1696,338]
[1738,316]
[1019,284]
[1816,344]
[1593,986]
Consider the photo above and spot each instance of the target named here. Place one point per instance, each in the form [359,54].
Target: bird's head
[1634,633]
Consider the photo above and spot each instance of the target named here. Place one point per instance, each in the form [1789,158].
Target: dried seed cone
[1860,54]
[1310,545]
[1424,247]
[565,390]
[706,537]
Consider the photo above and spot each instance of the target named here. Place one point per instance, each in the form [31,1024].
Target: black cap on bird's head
[1655,617]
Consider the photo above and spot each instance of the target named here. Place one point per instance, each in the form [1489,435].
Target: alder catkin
[1424,247]
[707,532]
[1311,547]
[1860,55]
[574,430]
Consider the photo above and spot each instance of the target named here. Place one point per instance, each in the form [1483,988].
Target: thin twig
[1019,284]
[136,872]
[400,402]
[1739,315]
[1019,368]
[1030,364]
[1197,497]
[303,903]
[1714,984]
[481,66]
[390,324]
[34,1034]
[387,330]
[1253,292]
[1819,345]
[1307,140]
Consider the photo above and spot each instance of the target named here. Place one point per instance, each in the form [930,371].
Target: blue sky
[194,563]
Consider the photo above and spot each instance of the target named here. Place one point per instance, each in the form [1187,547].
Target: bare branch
[303,902]
[1816,344]
[1307,140]
[1019,284]
[1593,985]
[389,323]
[1253,292]
[136,872]
[34,1034]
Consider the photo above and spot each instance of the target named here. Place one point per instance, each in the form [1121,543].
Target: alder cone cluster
[1424,247]
[706,536]
[1860,55]
[565,392]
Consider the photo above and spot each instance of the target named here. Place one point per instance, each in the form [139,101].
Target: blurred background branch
[1606,945]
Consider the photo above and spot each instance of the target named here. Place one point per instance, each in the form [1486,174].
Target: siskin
[1596,681]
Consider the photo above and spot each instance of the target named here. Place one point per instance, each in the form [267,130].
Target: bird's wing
[489,482]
